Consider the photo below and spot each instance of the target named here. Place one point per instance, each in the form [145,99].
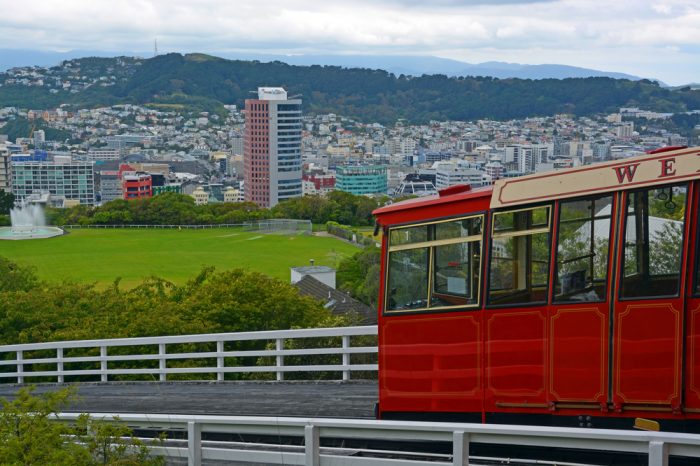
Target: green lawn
[177,255]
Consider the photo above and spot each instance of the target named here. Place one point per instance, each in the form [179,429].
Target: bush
[31,435]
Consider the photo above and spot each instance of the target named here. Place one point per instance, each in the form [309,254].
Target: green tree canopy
[7,201]
[230,301]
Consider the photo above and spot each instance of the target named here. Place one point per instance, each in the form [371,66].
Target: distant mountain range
[419,65]
[416,65]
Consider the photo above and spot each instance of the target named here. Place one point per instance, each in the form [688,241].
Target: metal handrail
[656,445]
[17,355]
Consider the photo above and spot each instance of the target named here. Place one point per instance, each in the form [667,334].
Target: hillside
[415,65]
[201,82]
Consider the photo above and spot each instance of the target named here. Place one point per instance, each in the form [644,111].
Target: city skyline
[652,39]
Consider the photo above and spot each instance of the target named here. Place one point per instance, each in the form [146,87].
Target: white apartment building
[201,197]
[60,177]
[625,130]
[450,173]
[526,158]
[103,154]
[232,194]
[402,146]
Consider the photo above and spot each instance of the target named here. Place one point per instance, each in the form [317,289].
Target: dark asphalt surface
[302,399]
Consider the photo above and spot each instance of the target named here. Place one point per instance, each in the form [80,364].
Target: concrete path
[303,399]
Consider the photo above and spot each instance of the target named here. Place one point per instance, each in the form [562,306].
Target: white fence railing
[269,225]
[138,226]
[656,446]
[57,360]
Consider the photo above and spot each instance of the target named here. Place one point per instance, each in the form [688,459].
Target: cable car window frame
[535,229]
[683,244]
[610,217]
[431,245]
[695,290]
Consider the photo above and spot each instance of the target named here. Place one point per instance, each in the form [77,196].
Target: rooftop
[308,269]
[338,302]
[272,93]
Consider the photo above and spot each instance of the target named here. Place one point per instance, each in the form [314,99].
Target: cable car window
[458,229]
[654,226]
[434,266]
[520,252]
[408,279]
[582,250]
[408,235]
[456,274]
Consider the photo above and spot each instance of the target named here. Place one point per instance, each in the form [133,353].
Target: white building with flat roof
[61,177]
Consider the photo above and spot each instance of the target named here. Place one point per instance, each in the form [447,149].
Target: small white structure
[325,275]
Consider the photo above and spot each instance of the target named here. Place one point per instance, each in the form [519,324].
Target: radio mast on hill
[155,47]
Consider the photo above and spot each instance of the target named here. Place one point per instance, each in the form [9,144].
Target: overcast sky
[655,39]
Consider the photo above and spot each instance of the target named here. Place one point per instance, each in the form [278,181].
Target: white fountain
[28,222]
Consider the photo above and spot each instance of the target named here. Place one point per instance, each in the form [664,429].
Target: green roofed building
[168,188]
[360,180]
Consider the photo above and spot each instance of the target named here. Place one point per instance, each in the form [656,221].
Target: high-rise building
[272,147]
[5,170]
[39,138]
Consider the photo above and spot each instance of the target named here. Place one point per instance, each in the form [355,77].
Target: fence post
[162,365]
[658,453]
[194,444]
[220,361]
[346,357]
[279,346]
[59,365]
[460,448]
[311,446]
[103,364]
[20,367]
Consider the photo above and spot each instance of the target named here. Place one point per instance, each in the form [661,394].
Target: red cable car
[565,298]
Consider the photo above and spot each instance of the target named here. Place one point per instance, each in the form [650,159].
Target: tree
[7,202]
[14,277]
[239,301]
[113,444]
[359,275]
[30,435]
[231,301]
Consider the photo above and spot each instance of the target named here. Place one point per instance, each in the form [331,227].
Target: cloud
[460,3]
[528,31]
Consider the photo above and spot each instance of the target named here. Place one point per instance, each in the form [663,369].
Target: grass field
[176,255]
